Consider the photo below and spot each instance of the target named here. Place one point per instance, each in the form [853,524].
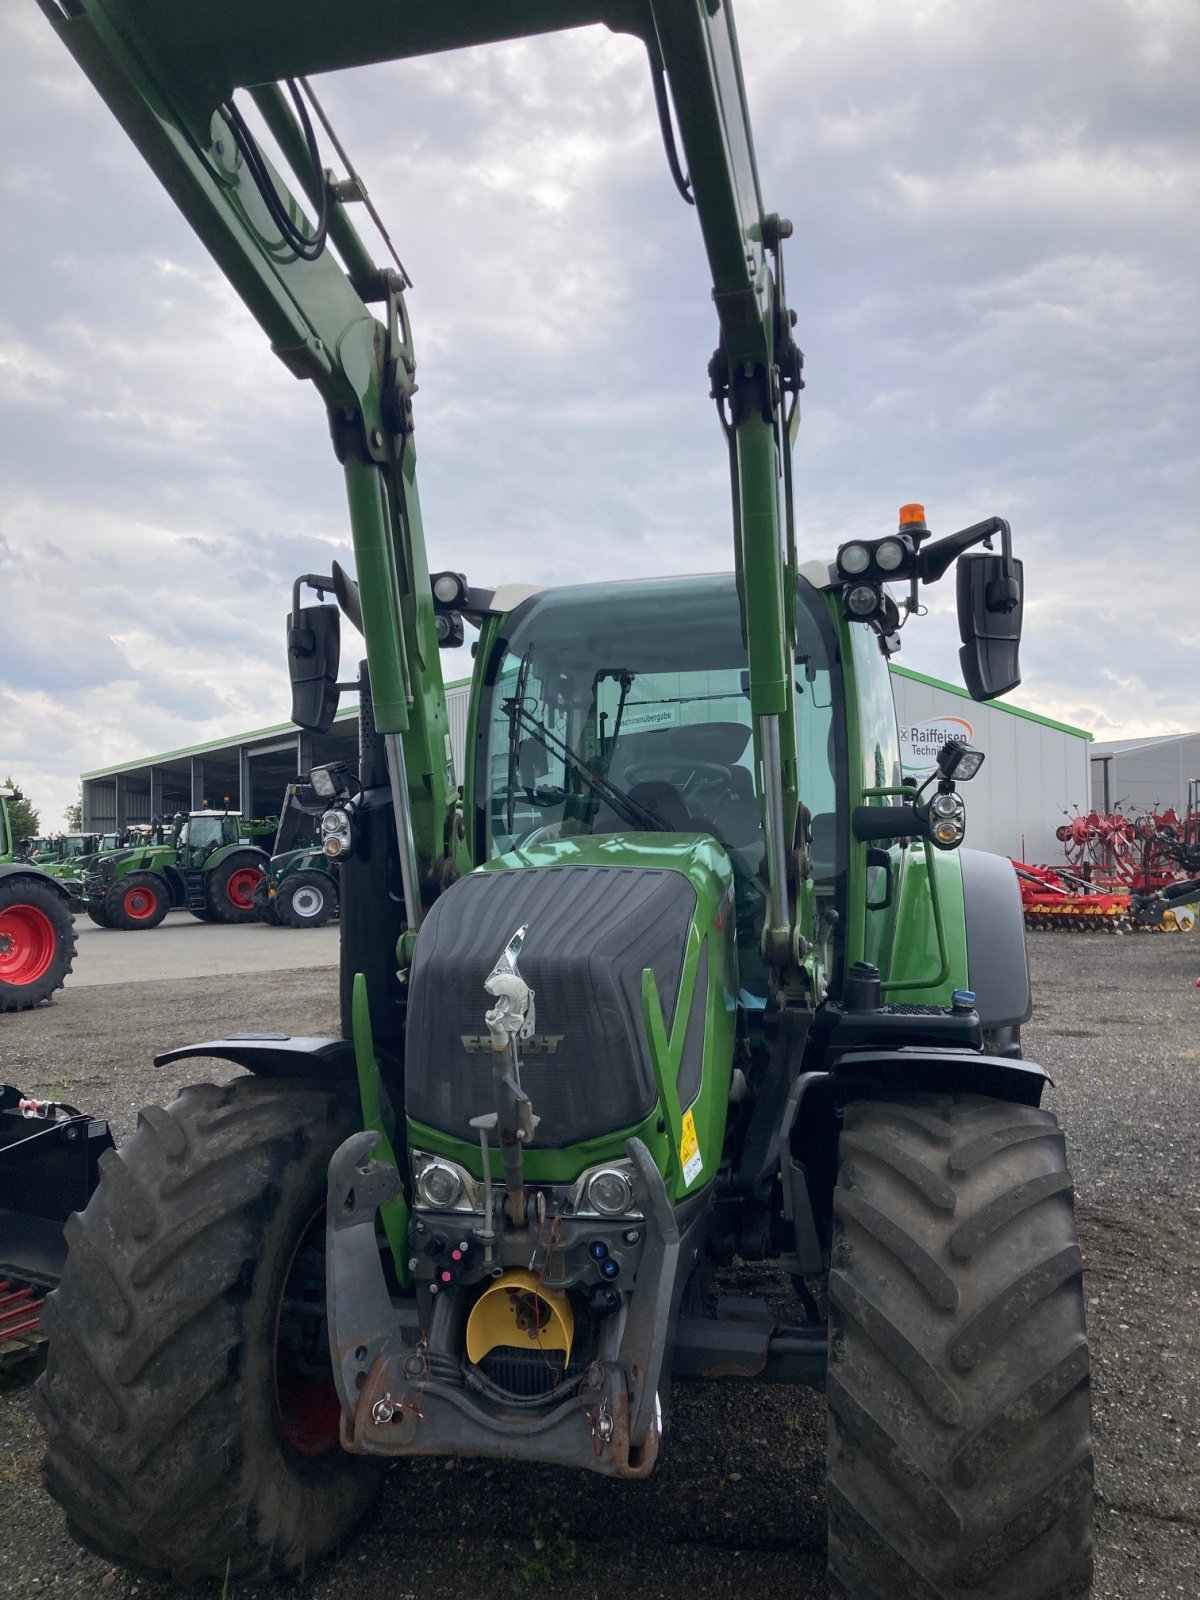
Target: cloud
[994,267]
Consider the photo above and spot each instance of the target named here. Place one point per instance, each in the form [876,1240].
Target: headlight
[853,559]
[609,1193]
[606,1191]
[439,1187]
[336,834]
[947,820]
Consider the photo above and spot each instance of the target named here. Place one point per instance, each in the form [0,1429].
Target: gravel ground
[736,1503]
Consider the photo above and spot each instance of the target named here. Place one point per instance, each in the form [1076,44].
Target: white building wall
[1035,773]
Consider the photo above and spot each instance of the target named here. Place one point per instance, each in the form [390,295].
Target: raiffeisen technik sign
[921,741]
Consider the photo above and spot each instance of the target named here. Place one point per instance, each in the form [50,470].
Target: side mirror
[990,603]
[313,652]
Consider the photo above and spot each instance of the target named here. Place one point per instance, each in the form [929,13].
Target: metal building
[1147,774]
[246,773]
[1036,769]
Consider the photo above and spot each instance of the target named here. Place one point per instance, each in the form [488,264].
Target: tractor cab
[205,831]
[610,709]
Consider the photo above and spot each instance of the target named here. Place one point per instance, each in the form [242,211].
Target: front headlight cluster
[947,820]
[337,834]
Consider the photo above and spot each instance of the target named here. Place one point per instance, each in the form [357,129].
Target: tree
[22,818]
[73,814]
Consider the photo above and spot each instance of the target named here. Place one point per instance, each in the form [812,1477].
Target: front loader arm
[169,72]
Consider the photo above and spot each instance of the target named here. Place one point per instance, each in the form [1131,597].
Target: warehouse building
[1147,774]
[1037,770]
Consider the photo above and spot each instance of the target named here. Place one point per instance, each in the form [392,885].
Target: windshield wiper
[518,700]
[624,805]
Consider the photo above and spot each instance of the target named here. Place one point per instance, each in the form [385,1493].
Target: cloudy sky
[995,269]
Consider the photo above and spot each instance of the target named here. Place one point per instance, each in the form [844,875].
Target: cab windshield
[618,707]
[201,833]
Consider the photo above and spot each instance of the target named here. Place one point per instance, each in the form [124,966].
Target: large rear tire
[231,887]
[190,1415]
[141,900]
[306,900]
[960,1456]
[37,941]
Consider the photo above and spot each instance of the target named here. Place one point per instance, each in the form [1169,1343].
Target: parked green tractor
[300,889]
[211,867]
[37,930]
[684,978]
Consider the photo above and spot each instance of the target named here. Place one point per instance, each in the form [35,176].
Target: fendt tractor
[300,888]
[684,974]
[211,864]
[37,930]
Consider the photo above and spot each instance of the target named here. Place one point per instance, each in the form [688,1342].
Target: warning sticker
[689,1150]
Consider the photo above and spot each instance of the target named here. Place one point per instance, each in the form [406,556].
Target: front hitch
[403,1378]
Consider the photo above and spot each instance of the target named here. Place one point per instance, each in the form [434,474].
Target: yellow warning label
[689,1150]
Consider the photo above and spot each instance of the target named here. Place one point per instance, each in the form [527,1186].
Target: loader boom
[170,74]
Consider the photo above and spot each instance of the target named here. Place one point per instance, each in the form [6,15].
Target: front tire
[190,1429]
[960,1457]
[307,900]
[141,900]
[97,913]
[37,941]
[231,888]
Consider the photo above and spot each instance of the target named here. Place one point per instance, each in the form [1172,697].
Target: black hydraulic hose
[307,246]
[658,80]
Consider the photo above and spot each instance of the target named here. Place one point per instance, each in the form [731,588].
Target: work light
[853,559]
[889,554]
[959,760]
[862,600]
[449,588]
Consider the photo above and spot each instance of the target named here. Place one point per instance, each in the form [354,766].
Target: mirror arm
[936,559]
[322,586]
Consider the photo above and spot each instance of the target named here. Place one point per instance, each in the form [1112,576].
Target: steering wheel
[683,774]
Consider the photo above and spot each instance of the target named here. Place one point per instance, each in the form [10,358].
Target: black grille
[591,931]
[917,1011]
[529,1374]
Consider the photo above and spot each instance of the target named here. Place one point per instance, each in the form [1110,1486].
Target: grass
[553,1556]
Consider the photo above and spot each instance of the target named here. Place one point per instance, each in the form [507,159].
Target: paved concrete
[182,947]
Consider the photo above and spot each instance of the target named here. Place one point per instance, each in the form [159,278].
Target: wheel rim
[308,901]
[241,886]
[27,945]
[306,1397]
[139,904]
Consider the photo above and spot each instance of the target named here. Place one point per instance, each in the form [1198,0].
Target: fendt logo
[538,1044]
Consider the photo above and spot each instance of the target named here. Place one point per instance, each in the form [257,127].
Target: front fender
[251,852]
[862,1073]
[997,961]
[20,869]
[276,1055]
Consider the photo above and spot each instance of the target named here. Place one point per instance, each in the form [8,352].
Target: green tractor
[212,867]
[37,930]
[684,977]
[300,889]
